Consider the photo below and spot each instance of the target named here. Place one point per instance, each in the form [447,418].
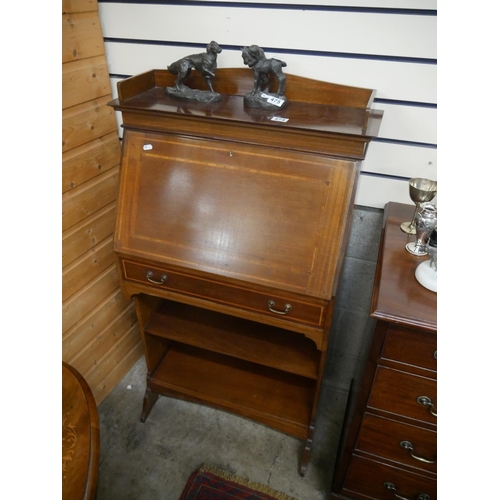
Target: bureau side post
[312,424]
[155,349]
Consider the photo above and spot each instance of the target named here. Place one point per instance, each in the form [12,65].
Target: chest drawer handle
[391,487]
[271,305]
[406,445]
[425,401]
[149,277]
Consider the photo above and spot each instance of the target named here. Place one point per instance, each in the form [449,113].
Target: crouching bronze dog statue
[254,57]
[205,64]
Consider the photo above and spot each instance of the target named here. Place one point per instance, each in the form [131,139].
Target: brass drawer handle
[390,486]
[425,401]
[149,276]
[406,445]
[271,305]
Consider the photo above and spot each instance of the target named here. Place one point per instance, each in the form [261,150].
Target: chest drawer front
[411,347]
[376,481]
[304,312]
[398,442]
[400,392]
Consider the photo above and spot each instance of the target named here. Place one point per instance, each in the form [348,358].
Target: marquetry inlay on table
[80,437]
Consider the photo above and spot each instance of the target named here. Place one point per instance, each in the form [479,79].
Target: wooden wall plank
[81,36]
[89,297]
[104,341]
[98,324]
[90,160]
[79,6]
[114,357]
[87,121]
[84,80]
[87,267]
[86,200]
[103,385]
[81,237]
[89,326]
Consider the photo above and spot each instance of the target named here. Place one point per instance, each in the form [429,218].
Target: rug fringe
[245,482]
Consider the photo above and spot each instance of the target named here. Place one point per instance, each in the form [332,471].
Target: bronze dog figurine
[253,56]
[204,63]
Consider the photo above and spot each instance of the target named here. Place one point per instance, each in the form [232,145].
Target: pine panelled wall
[387,45]
[100,335]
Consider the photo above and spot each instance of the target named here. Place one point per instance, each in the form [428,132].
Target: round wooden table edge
[93,464]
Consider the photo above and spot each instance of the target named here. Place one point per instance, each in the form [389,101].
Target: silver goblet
[421,191]
[425,223]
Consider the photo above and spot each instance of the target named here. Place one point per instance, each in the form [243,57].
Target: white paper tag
[273,100]
[147,147]
[279,119]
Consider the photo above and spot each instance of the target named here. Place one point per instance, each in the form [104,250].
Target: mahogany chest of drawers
[389,450]
[230,234]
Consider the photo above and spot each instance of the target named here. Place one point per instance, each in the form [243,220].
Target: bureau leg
[307,451]
[148,402]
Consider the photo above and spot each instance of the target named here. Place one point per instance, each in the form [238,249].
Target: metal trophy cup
[421,191]
[425,223]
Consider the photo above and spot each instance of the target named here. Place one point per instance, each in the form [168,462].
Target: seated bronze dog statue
[254,57]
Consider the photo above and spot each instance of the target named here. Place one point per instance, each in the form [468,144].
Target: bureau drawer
[404,394]
[411,347]
[398,442]
[377,481]
[278,306]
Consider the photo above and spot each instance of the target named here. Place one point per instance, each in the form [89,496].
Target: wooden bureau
[230,235]
[389,450]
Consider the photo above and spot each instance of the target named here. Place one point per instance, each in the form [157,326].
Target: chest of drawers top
[398,297]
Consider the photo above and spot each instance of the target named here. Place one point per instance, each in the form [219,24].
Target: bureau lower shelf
[280,400]
[257,371]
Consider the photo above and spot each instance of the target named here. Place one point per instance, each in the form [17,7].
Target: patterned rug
[211,483]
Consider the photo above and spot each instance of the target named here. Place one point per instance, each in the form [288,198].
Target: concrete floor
[153,460]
